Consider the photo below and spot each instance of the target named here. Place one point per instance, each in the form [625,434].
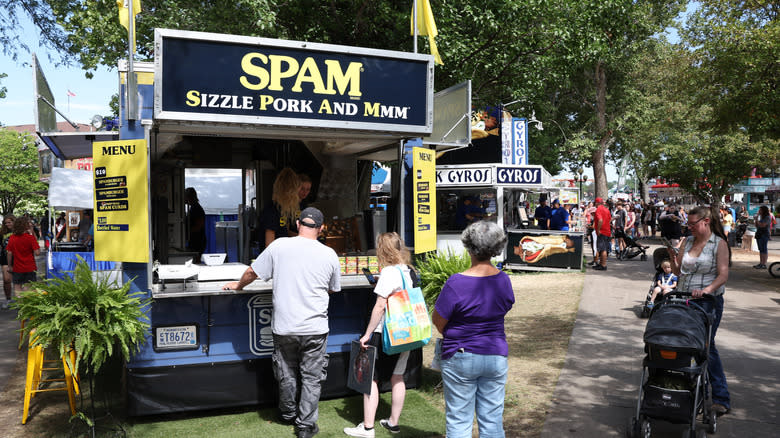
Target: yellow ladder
[36,366]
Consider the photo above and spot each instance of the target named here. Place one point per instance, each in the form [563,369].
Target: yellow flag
[426,26]
[124,15]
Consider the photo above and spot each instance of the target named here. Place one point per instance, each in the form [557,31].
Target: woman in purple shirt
[470,314]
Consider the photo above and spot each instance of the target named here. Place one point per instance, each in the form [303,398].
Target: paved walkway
[598,388]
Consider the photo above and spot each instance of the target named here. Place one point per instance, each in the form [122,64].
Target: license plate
[180,337]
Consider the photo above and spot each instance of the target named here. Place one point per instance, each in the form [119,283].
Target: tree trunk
[597,158]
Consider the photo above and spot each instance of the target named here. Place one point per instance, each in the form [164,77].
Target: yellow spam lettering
[270,71]
[193,98]
[325,107]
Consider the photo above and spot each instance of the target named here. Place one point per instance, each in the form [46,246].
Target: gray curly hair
[483,239]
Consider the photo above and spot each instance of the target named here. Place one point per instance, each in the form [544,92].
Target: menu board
[424,192]
[121,216]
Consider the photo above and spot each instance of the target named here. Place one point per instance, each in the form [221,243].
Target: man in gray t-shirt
[305,272]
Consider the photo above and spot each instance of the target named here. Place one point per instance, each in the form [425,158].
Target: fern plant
[93,316]
[436,268]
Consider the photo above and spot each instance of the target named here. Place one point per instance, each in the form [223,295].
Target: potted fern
[436,268]
[91,315]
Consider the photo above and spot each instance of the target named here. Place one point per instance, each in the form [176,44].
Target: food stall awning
[64,145]
[70,189]
[71,145]
[753,185]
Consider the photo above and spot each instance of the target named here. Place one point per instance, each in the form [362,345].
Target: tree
[705,164]
[672,137]
[51,34]
[736,62]
[600,48]
[18,169]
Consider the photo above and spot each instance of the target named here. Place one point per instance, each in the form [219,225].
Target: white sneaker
[359,431]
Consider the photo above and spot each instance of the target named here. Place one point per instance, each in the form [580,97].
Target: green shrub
[436,268]
[92,315]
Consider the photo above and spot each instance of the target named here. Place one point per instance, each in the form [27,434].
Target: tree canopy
[18,170]
[584,67]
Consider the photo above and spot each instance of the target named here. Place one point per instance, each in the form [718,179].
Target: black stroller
[659,256]
[632,249]
[675,384]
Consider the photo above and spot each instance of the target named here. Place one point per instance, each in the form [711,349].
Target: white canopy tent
[70,189]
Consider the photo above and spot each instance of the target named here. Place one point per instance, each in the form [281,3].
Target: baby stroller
[675,384]
[632,249]
[659,256]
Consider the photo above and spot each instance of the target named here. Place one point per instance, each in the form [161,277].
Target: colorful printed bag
[407,323]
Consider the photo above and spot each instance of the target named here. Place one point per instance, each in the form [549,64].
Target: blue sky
[92,95]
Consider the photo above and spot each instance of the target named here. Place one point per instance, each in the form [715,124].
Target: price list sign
[121,196]
[424,191]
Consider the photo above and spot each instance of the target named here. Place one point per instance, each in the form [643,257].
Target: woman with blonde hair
[280,214]
[393,257]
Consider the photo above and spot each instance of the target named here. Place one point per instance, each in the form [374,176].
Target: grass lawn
[420,419]
[538,329]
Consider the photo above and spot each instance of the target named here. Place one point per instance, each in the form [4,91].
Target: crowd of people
[619,220]
[469,313]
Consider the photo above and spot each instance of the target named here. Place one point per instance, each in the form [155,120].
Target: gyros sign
[518,175]
[474,176]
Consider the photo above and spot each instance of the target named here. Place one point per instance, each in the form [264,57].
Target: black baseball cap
[312,214]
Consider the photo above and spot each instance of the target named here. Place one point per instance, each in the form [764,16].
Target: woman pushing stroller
[703,268]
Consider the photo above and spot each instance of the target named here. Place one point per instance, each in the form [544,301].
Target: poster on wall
[529,250]
[121,196]
[424,192]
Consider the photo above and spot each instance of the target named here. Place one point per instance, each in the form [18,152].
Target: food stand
[494,191]
[225,101]
[71,189]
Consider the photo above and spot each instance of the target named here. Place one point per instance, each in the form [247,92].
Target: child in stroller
[674,383]
[632,249]
[660,255]
[665,282]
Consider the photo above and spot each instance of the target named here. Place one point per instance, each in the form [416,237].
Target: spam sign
[236,79]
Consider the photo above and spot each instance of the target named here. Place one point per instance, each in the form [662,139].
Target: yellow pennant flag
[124,15]
[426,26]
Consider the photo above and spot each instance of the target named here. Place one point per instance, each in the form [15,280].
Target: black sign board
[235,79]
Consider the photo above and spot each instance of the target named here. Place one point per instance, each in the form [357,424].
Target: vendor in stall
[468,212]
[196,222]
[561,217]
[542,214]
[279,214]
[84,225]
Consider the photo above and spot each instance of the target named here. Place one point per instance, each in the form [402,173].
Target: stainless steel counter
[212,288]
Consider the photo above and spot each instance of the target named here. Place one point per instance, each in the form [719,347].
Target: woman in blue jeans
[763,230]
[702,267]
[470,314]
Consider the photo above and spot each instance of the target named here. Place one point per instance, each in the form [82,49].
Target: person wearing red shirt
[22,249]
[601,223]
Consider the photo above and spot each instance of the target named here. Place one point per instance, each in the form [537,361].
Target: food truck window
[457,208]
[219,195]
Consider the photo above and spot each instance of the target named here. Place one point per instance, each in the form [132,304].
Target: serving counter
[203,354]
